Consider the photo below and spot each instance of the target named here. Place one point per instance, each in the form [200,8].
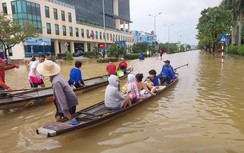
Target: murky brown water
[203,112]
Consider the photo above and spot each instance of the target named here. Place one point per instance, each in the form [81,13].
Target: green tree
[12,33]
[237,7]
[212,23]
[116,50]
[140,47]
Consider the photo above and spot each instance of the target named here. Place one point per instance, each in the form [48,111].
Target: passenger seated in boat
[154,81]
[113,99]
[122,65]
[75,77]
[149,83]
[130,88]
[142,85]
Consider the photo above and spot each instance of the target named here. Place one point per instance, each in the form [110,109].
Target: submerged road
[203,112]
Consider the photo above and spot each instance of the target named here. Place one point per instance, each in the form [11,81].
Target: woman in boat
[113,99]
[130,88]
[75,77]
[65,99]
[142,85]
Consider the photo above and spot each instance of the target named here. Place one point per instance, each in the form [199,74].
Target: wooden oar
[181,66]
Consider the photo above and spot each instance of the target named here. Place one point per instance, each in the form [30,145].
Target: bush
[233,49]
[61,55]
[68,56]
[240,50]
[133,56]
[106,60]
[89,54]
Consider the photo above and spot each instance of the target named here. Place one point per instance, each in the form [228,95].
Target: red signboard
[101,45]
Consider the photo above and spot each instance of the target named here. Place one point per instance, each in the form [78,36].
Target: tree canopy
[12,33]
[212,23]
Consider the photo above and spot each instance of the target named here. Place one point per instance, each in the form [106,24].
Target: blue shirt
[168,71]
[75,75]
[155,81]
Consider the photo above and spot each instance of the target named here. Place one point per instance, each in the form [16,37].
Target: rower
[65,99]
[3,85]
[167,74]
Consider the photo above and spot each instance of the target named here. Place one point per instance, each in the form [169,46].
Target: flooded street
[203,112]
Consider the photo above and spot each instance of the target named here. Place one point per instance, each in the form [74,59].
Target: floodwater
[203,112]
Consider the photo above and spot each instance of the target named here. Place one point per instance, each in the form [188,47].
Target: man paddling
[3,85]
[167,74]
[65,99]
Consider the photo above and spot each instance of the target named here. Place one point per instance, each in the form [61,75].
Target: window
[82,33]
[100,34]
[96,35]
[47,12]
[63,15]
[87,33]
[55,14]
[48,28]
[5,10]
[70,31]
[23,11]
[77,32]
[64,30]
[56,29]
[70,17]
[107,36]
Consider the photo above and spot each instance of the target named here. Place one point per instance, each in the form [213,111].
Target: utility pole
[104,28]
[154,16]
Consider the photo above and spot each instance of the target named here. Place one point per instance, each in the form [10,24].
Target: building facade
[64,27]
[140,36]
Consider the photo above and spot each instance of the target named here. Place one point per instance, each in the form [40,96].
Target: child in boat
[113,99]
[142,87]
[131,89]
[149,83]
[154,81]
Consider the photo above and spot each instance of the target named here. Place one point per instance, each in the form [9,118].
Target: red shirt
[161,53]
[122,63]
[111,69]
[2,75]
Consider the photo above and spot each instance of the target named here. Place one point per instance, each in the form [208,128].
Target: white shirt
[34,66]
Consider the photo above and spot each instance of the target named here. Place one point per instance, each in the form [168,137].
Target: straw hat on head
[48,68]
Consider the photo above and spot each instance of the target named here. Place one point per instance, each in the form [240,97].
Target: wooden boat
[91,116]
[45,95]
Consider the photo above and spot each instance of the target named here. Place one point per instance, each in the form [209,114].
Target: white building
[62,29]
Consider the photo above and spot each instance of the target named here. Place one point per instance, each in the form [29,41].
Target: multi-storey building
[140,36]
[69,25]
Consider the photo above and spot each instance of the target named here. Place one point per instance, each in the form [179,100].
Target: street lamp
[104,28]
[169,25]
[155,23]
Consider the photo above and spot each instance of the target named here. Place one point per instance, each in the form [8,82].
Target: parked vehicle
[78,53]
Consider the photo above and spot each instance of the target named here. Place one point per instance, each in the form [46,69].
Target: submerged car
[78,53]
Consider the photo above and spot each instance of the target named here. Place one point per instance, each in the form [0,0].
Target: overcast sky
[183,14]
